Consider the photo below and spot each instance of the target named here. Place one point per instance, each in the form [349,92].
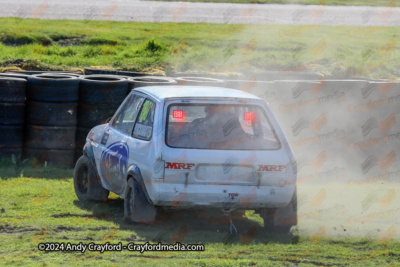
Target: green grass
[340,51]
[303,2]
[45,209]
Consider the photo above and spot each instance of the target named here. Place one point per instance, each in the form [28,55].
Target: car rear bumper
[223,196]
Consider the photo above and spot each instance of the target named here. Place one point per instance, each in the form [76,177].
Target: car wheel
[87,183]
[136,207]
[281,220]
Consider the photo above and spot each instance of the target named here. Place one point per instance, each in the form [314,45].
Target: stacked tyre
[149,81]
[99,98]
[93,71]
[51,118]
[12,116]
[200,81]
[32,72]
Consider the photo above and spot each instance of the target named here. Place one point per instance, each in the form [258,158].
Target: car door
[115,147]
[144,146]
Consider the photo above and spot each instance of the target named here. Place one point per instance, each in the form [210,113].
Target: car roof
[164,92]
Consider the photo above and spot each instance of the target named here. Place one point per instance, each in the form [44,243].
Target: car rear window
[220,127]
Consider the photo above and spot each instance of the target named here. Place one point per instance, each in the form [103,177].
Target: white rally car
[184,147]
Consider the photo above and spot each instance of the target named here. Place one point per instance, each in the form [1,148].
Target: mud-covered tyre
[12,113]
[53,88]
[281,220]
[12,89]
[50,137]
[87,182]
[136,207]
[80,137]
[91,115]
[102,89]
[51,114]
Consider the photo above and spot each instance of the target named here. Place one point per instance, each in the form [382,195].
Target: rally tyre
[87,182]
[281,220]
[136,207]
[53,88]
[12,89]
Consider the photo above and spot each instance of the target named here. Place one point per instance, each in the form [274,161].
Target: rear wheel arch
[134,172]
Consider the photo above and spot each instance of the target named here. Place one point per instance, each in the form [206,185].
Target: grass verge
[340,51]
[38,209]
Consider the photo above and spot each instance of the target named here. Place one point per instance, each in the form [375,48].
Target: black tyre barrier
[11,136]
[93,115]
[92,71]
[200,81]
[12,89]
[51,114]
[53,88]
[8,152]
[50,137]
[12,113]
[34,72]
[60,158]
[14,75]
[80,137]
[149,81]
[103,89]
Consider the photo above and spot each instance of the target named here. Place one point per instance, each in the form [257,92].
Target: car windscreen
[220,126]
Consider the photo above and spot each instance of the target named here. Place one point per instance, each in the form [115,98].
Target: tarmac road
[149,11]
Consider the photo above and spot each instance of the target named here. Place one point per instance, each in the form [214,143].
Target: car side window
[144,124]
[127,116]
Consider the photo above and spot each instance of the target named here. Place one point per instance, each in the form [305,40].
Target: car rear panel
[235,178]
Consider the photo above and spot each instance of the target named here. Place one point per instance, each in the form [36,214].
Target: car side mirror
[108,120]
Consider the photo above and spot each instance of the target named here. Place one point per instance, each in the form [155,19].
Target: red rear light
[249,116]
[177,114]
